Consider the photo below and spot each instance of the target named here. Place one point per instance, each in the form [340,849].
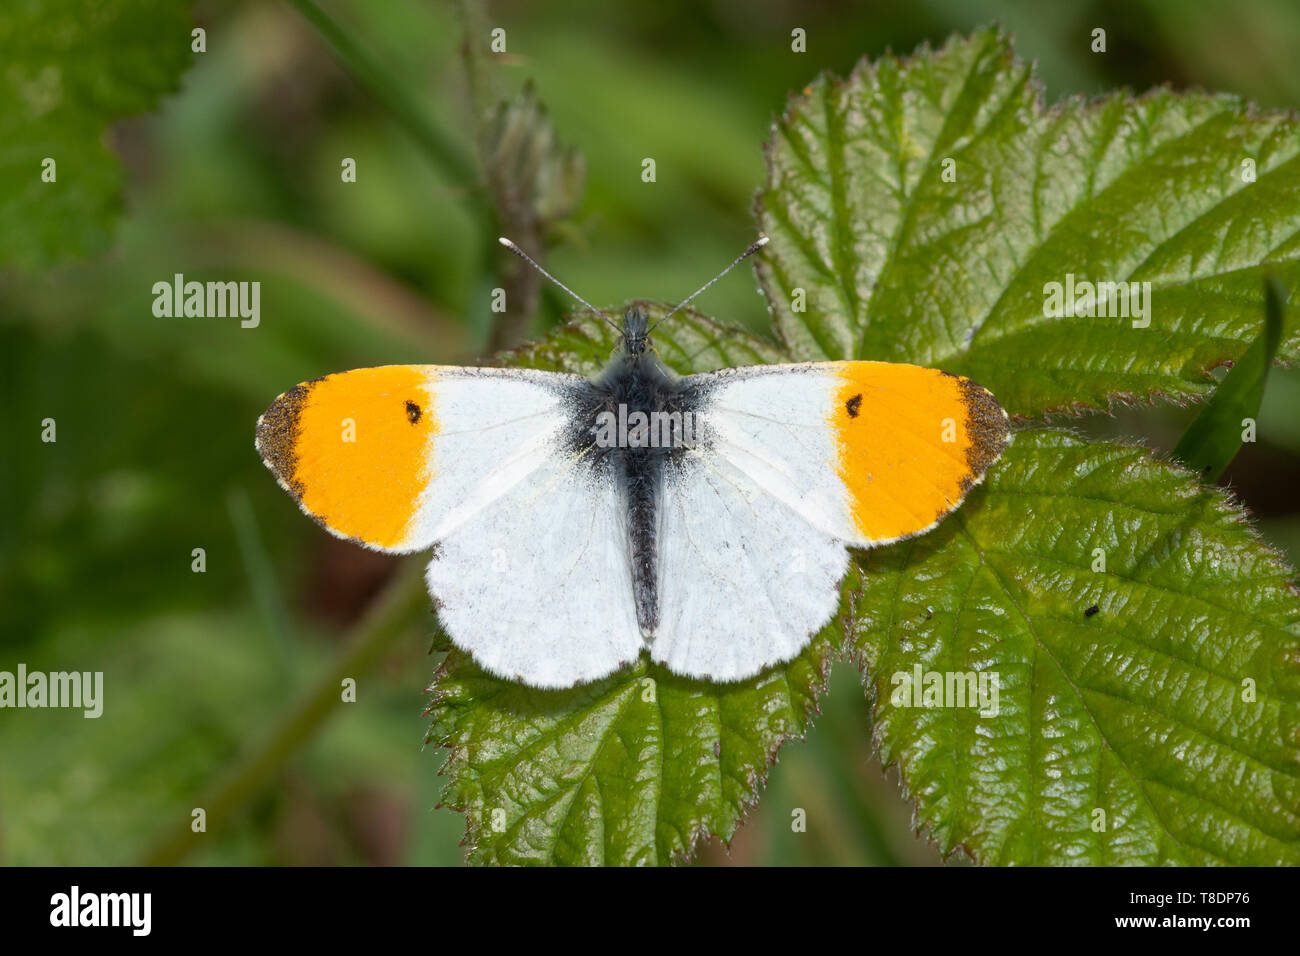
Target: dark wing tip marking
[989,428]
[277,438]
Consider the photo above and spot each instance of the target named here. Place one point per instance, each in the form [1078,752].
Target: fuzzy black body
[636,381]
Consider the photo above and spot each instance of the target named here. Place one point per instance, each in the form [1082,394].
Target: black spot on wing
[852,406]
[412,412]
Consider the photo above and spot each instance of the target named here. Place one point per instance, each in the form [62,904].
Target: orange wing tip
[911,443]
[353,449]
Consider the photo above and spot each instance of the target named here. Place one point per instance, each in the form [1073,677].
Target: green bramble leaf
[1147,651]
[634,769]
[69,71]
[691,342]
[923,206]
[1212,440]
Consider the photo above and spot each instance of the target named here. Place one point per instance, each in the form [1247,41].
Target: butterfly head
[636,331]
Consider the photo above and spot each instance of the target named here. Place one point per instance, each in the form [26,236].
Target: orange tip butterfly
[577,523]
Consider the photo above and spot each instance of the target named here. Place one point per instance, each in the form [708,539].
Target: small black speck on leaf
[1091,611]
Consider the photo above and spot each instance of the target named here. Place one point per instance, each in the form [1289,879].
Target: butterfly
[577,523]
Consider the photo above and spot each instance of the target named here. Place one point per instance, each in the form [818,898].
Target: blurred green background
[237,176]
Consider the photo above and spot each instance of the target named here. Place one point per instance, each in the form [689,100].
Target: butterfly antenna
[758,243]
[529,259]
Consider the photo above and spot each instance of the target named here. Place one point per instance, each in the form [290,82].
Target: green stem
[444,153]
[522,285]
[392,617]
[478,71]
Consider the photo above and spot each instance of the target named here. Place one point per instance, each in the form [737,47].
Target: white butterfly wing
[536,585]
[744,579]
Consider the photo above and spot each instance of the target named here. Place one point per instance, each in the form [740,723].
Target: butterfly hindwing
[537,584]
[744,578]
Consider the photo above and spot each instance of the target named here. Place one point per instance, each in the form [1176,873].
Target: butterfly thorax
[637,407]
